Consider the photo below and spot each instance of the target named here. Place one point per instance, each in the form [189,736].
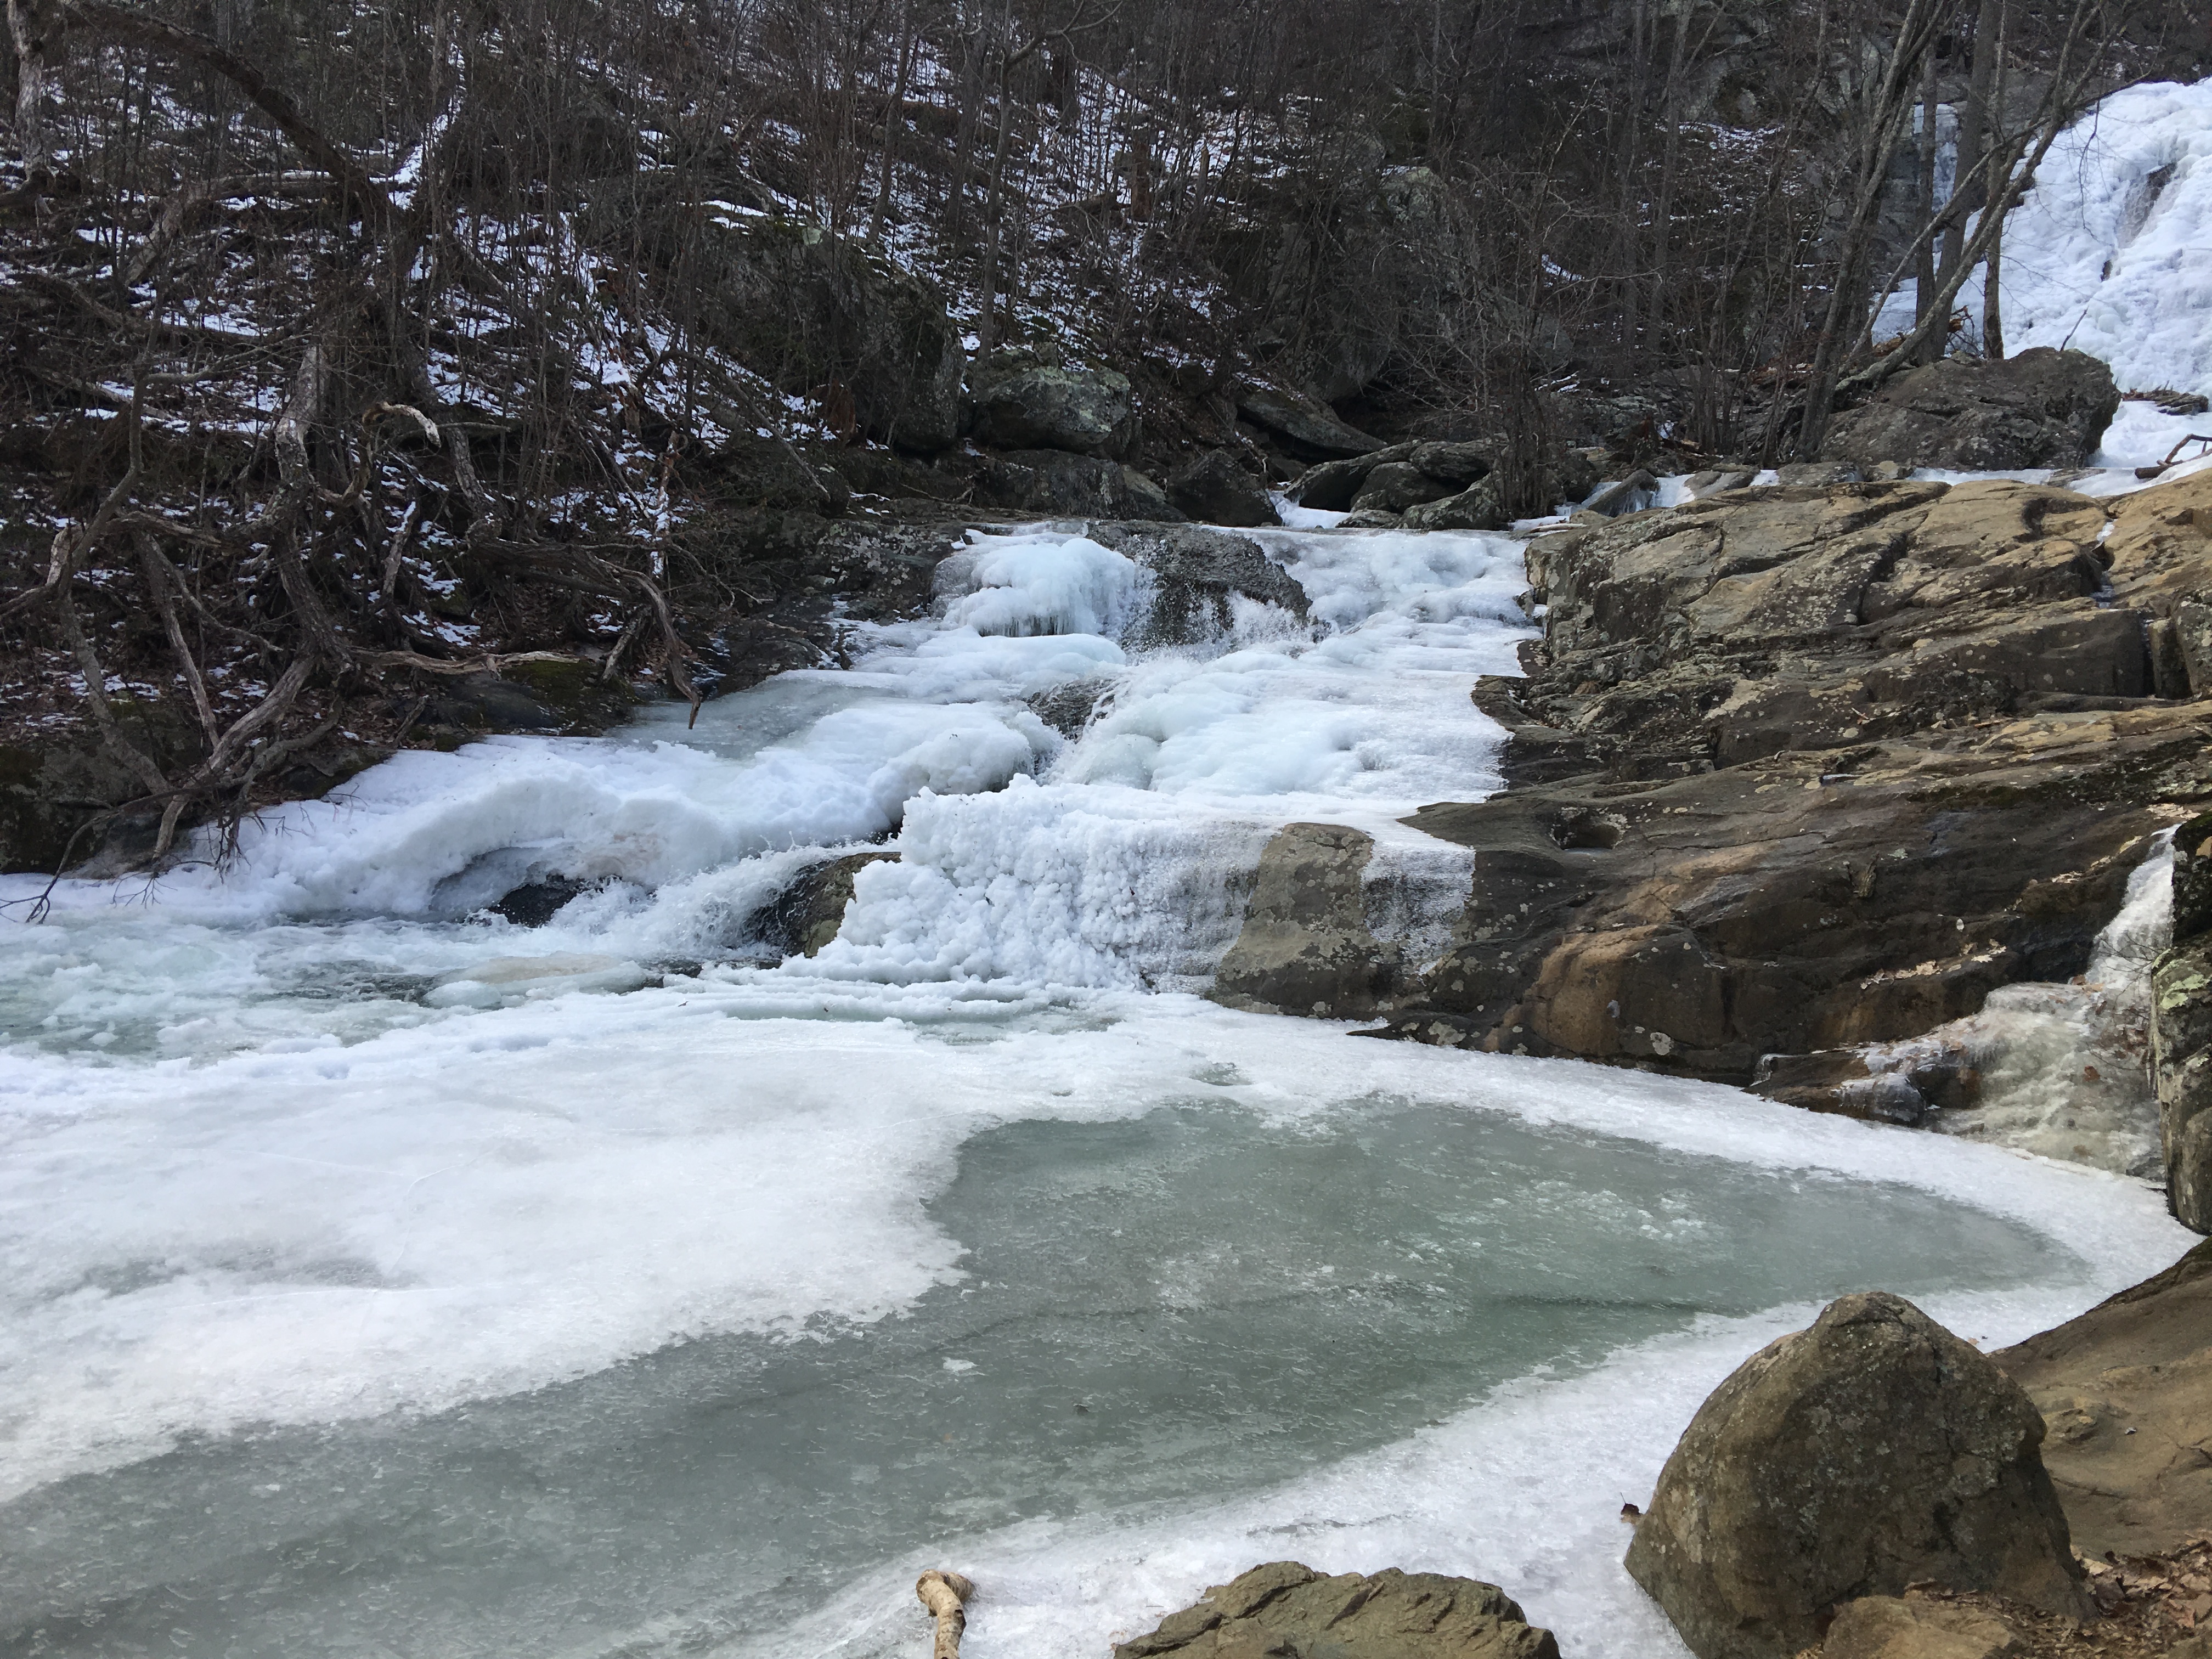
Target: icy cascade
[2062,1069]
[1112,859]
[2110,252]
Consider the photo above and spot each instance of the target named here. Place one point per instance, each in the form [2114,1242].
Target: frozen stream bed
[380,1276]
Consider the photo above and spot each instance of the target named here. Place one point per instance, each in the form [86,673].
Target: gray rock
[1370,518]
[1305,947]
[1195,571]
[2042,408]
[1713,481]
[1144,498]
[1396,485]
[807,913]
[1871,1451]
[2191,625]
[1068,486]
[1284,1610]
[1452,463]
[1308,429]
[1085,411]
[1331,485]
[1212,489]
[1475,508]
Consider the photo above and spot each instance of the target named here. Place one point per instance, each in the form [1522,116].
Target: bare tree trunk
[1973,131]
[986,328]
[1886,113]
[1629,236]
[894,118]
[1671,102]
[1993,347]
[1924,272]
[27,29]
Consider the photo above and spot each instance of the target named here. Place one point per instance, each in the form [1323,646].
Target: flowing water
[379,1275]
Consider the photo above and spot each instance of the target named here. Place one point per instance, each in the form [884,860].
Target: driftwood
[945,1595]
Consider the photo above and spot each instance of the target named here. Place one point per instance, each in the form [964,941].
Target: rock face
[1212,489]
[1873,1451]
[2181,1030]
[2126,1389]
[1286,1611]
[1197,574]
[1800,769]
[1305,947]
[2042,408]
[1025,406]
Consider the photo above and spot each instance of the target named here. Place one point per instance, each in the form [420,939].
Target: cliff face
[1799,768]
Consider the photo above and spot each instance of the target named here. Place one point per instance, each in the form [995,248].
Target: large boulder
[1212,489]
[819,315]
[1198,575]
[1456,464]
[2043,408]
[1305,428]
[1396,485]
[1330,485]
[1473,508]
[1871,1451]
[1289,1611]
[2126,1391]
[1022,405]
[1305,947]
[1067,486]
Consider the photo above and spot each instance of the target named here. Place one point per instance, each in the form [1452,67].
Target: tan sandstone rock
[1912,1627]
[1284,1610]
[2126,1389]
[1868,1453]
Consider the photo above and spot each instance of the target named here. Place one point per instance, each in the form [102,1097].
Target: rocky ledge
[1799,768]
